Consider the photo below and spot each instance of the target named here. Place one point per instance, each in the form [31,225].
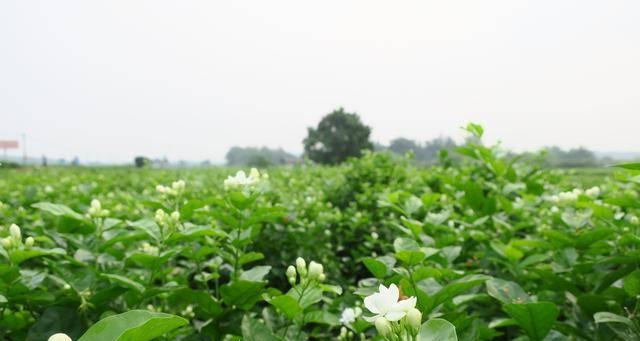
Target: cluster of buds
[242,181]
[167,220]
[163,218]
[188,312]
[315,271]
[14,240]
[59,337]
[345,334]
[394,319]
[567,197]
[96,210]
[176,188]
[149,249]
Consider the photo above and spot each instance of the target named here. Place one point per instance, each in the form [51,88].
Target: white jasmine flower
[593,192]
[385,304]
[241,180]
[350,315]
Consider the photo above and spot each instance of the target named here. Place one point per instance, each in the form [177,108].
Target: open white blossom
[241,180]
[385,303]
[593,192]
[349,315]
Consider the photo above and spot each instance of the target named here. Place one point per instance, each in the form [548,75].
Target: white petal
[408,304]
[394,315]
[394,292]
[370,303]
[372,318]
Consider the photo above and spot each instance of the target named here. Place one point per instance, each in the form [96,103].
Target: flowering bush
[491,248]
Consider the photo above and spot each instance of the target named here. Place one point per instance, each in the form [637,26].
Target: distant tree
[141,161]
[578,157]
[402,145]
[258,157]
[339,135]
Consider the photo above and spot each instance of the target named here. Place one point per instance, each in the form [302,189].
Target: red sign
[8,144]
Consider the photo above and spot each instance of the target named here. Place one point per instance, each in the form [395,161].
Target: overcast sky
[108,80]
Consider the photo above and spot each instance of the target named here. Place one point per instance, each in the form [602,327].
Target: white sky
[108,80]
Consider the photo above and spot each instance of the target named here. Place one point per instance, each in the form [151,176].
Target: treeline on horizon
[425,153]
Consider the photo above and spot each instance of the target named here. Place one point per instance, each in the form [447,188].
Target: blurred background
[174,83]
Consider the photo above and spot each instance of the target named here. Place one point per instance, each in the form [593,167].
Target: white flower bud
[414,319]
[29,242]
[95,204]
[59,337]
[291,272]
[634,220]
[7,242]
[383,326]
[301,265]
[175,216]
[322,277]
[15,232]
[315,270]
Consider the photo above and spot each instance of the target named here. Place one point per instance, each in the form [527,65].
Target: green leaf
[147,226]
[437,330]
[256,273]
[632,165]
[451,290]
[410,257]
[56,320]
[287,305]
[310,295]
[321,317]
[19,256]
[607,317]
[506,291]
[134,325]
[242,294]
[375,266]
[535,318]
[59,210]
[632,283]
[126,282]
[252,330]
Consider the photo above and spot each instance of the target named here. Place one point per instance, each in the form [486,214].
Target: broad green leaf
[632,283]
[286,305]
[56,320]
[19,256]
[147,226]
[535,318]
[506,291]
[379,267]
[256,273]
[437,330]
[59,210]
[242,294]
[134,325]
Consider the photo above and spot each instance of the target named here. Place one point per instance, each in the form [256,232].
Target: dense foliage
[491,249]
